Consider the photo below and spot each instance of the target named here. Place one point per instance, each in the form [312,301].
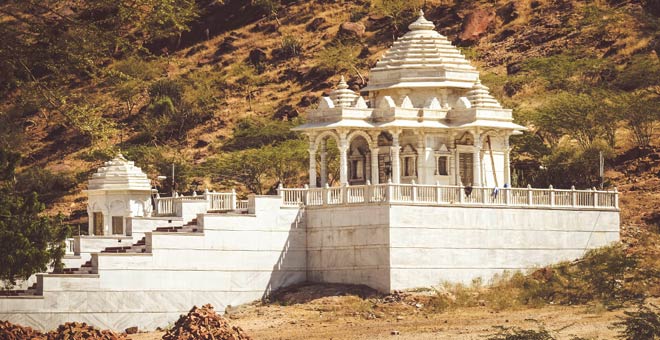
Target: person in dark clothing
[468,190]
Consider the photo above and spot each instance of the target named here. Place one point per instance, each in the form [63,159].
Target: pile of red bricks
[204,323]
[67,331]
[77,330]
[9,331]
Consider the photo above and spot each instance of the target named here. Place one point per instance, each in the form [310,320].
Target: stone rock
[513,68]
[286,112]
[509,12]
[352,29]
[257,57]
[315,24]
[475,25]
[131,330]
[307,100]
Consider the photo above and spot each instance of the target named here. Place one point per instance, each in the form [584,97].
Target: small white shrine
[426,119]
[117,190]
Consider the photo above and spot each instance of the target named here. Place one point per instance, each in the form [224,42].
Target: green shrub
[516,333]
[598,276]
[642,71]
[175,107]
[642,324]
[291,46]
[47,184]
[256,132]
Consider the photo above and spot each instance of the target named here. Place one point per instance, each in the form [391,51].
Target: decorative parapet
[215,201]
[451,195]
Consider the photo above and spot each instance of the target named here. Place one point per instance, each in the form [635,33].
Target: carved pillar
[312,166]
[396,167]
[476,161]
[421,158]
[453,164]
[343,158]
[507,161]
[324,164]
[374,163]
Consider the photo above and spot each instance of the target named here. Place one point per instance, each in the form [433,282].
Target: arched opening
[359,166]
[384,157]
[327,161]
[408,163]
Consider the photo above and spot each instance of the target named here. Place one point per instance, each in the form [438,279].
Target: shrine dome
[422,58]
[119,174]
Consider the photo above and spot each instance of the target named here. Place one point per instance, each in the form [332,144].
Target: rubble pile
[9,331]
[67,331]
[204,323]
[78,330]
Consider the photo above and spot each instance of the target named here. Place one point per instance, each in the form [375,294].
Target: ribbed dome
[119,174]
[342,96]
[435,61]
[480,97]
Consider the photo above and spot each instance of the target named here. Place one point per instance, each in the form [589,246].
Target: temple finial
[342,83]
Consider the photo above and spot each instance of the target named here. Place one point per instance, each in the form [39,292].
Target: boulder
[286,112]
[352,29]
[475,25]
[257,57]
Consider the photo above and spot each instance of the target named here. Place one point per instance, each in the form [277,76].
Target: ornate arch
[321,136]
[360,133]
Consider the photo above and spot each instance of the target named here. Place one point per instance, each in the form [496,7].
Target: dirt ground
[374,317]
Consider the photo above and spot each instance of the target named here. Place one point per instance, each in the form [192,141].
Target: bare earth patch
[377,317]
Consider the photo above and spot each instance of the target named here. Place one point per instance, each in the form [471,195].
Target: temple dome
[119,174]
[480,97]
[422,58]
[342,96]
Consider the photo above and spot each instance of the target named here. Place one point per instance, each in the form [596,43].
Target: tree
[29,242]
[339,57]
[583,117]
[640,110]
[398,12]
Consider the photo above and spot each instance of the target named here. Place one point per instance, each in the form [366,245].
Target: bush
[642,324]
[515,333]
[47,184]
[291,46]
[598,276]
[255,133]
[175,107]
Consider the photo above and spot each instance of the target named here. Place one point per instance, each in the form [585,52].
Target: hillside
[184,100]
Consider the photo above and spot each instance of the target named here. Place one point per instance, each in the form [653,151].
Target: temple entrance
[359,156]
[98,223]
[465,168]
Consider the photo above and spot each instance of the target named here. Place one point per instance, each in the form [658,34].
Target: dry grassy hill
[237,62]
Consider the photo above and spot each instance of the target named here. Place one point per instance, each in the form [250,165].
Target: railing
[165,206]
[242,205]
[217,201]
[221,201]
[444,194]
[69,243]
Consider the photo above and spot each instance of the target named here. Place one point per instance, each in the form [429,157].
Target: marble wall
[239,258]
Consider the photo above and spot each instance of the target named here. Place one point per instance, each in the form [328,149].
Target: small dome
[119,174]
[480,97]
[343,96]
